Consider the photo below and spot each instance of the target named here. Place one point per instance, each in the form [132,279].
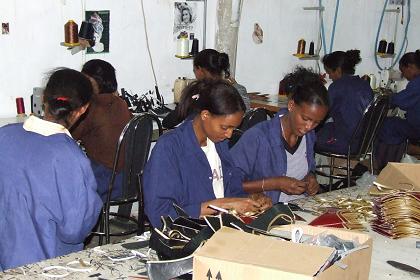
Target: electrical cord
[337,5]
[324,44]
[147,43]
[404,44]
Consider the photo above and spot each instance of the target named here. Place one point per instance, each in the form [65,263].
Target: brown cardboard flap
[260,251]
[399,176]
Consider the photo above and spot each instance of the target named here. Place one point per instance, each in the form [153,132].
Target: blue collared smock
[48,198]
[396,130]
[178,172]
[348,96]
[260,152]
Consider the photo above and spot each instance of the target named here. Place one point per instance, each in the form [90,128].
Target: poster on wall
[100,21]
[188,19]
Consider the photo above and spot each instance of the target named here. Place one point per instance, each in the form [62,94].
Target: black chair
[360,145]
[236,134]
[255,116]
[135,141]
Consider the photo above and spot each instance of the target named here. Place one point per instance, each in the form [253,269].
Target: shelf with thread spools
[305,56]
[184,57]
[300,53]
[76,40]
[385,55]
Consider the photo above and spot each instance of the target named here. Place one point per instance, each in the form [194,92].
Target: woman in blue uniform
[213,65]
[48,197]
[395,131]
[348,96]
[277,156]
[190,165]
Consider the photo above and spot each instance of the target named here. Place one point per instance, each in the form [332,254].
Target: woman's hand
[264,201]
[291,185]
[313,186]
[239,204]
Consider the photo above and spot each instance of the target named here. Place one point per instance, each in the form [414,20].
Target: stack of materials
[397,215]
[344,212]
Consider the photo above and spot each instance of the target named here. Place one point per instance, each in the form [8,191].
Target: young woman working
[191,165]
[348,96]
[395,131]
[101,126]
[277,156]
[48,197]
[213,65]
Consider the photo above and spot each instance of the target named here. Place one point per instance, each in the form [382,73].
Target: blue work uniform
[349,97]
[260,152]
[48,198]
[178,172]
[396,130]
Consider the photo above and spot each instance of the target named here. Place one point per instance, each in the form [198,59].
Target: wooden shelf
[385,55]
[315,8]
[185,57]
[306,56]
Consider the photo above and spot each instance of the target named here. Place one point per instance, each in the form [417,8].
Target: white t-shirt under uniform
[297,167]
[216,168]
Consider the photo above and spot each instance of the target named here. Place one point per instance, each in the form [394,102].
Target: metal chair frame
[136,195]
[371,121]
[252,117]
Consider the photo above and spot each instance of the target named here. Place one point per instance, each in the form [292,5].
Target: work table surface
[403,250]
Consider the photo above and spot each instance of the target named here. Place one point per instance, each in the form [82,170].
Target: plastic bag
[330,240]
[366,180]
[409,159]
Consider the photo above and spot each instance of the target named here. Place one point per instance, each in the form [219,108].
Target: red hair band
[62,98]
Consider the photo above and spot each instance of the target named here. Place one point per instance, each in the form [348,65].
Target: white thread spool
[372,81]
[182,48]
[179,86]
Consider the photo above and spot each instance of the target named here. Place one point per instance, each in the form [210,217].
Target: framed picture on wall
[189,19]
[100,21]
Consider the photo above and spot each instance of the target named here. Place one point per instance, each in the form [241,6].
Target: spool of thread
[311,48]
[390,49]
[194,47]
[382,46]
[20,106]
[182,48]
[301,47]
[86,30]
[179,86]
[71,37]
[372,81]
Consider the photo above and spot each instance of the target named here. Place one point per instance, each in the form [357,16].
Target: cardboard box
[397,176]
[231,254]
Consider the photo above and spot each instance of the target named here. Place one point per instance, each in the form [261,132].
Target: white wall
[36,29]
[261,67]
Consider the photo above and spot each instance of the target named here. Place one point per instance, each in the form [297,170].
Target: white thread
[66,268]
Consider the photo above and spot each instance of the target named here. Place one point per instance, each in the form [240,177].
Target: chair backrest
[367,128]
[255,116]
[135,141]
[236,134]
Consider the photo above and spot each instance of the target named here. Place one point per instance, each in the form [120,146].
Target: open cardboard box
[232,254]
[397,176]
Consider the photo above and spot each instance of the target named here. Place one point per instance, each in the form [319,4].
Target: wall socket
[396,2]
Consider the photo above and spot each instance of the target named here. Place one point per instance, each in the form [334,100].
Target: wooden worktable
[272,103]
